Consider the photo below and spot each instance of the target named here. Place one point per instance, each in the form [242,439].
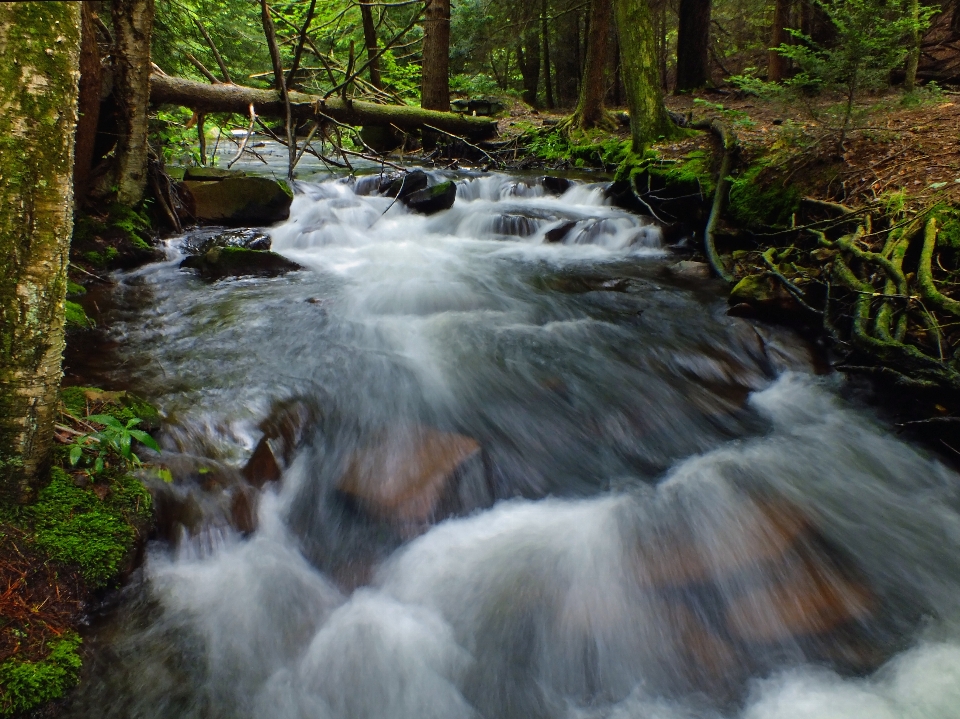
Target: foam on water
[647,520]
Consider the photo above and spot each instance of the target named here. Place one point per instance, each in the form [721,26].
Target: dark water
[662,511]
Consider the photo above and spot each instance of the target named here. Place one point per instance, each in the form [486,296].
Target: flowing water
[659,510]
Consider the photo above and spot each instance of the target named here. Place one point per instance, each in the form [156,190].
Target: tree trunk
[547,79]
[693,45]
[638,57]
[776,63]
[567,64]
[39,74]
[913,58]
[528,56]
[89,104]
[590,112]
[370,40]
[202,97]
[435,92]
[132,26]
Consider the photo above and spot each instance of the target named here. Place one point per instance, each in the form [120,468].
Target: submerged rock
[221,262]
[236,201]
[691,270]
[416,477]
[765,295]
[433,199]
[560,233]
[202,242]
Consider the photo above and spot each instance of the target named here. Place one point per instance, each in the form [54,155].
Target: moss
[80,401]
[691,175]
[75,290]
[25,685]
[755,202]
[76,317]
[73,526]
[948,220]
[101,259]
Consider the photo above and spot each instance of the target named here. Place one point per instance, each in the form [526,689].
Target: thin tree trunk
[913,58]
[776,63]
[693,45]
[39,73]
[89,104]
[547,79]
[301,42]
[590,111]
[132,26]
[280,82]
[638,56]
[370,40]
[435,91]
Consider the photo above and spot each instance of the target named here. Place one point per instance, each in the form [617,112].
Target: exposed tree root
[730,145]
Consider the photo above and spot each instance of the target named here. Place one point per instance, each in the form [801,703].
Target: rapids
[678,517]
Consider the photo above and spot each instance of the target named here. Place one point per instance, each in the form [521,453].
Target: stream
[521,479]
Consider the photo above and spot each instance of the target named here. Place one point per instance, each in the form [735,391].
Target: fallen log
[201,97]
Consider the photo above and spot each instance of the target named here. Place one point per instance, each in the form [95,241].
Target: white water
[571,596]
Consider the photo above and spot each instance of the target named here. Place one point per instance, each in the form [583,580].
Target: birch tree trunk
[133,26]
[638,59]
[39,74]
[435,91]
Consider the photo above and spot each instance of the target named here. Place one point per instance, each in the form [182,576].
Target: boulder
[403,184]
[221,262]
[416,476]
[556,185]
[381,138]
[199,243]
[235,201]
[433,199]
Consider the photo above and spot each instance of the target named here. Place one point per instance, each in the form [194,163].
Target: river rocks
[199,243]
[433,199]
[235,200]
[222,262]
[394,184]
[556,185]
[207,174]
[511,225]
[414,476]
[559,233]
[284,432]
[579,284]
[690,270]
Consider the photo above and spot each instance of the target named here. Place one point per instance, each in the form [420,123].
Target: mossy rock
[433,199]
[766,296]
[202,241]
[208,174]
[25,685]
[236,201]
[76,318]
[222,262]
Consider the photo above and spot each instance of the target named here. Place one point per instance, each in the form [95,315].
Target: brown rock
[243,510]
[284,431]
[408,477]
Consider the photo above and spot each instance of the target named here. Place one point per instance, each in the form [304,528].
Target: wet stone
[556,185]
[433,199]
[222,262]
[199,243]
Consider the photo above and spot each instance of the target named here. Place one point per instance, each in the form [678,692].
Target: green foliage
[870,39]
[76,317]
[74,289]
[26,685]
[756,204]
[73,526]
[737,118]
[113,441]
[948,220]
[473,85]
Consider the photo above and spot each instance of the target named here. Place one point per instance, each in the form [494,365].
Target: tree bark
[693,45]
[39,75]
[528,57]
[199,96]
[913,57]
[132,25]
[89,104]
[370,40]
[776,63]
[545,33]
[638,57]
[590,111]
[435,90]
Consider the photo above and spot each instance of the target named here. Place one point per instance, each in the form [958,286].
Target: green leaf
[107,420]
[76,451]
[145,439]
[98,465]
[125,445]
[133,422]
